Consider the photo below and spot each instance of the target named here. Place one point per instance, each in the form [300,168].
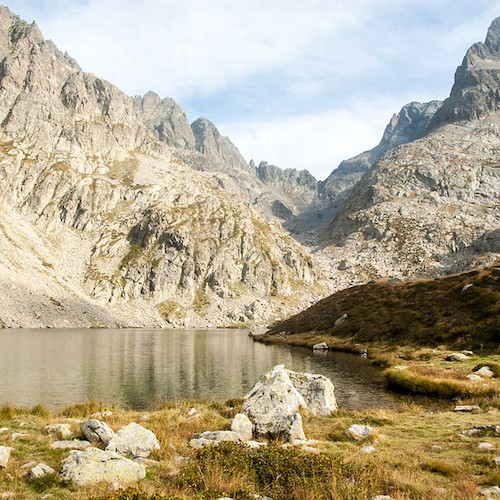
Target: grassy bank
[417,453]
[460,311]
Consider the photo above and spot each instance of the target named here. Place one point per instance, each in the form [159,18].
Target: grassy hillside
[424,312]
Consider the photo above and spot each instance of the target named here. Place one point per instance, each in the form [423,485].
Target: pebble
[484,446]
[468,408]
[368,449]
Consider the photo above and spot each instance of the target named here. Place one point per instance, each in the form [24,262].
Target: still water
[137,368]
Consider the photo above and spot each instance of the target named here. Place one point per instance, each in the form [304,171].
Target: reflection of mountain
[139,368]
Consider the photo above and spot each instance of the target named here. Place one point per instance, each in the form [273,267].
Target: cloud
[317,142]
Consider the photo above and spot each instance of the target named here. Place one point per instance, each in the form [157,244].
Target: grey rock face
[41,470]
[477,80]
[107,186]
[96,432]
[360,431]
[94,465]
[134,440]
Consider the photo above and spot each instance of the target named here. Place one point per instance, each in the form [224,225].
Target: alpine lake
[139,368]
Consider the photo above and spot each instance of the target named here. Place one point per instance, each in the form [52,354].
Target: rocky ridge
[121,229]
[431,206]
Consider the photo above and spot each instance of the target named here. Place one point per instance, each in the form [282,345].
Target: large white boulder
[94,465]
[134,440]
[286,392]
[97,432]
[273,391]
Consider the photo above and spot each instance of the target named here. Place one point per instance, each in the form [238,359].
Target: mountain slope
[425,206]
[152,241]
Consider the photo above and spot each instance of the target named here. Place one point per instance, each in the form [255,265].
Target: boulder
[276,425]
[368,449]
[456,356]
[214,437]
[322,346]
[485,372]
[134,440]
[241,425]
[473,377]
[97,432]
[360,431]
[41,470]
[4,455]
[94,465]
[273,391]
[317,391]
[285,392]
[63,431]
[75,444]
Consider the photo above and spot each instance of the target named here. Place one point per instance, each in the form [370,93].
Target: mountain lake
[139,368]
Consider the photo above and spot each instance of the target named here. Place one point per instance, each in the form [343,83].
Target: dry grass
[417,451]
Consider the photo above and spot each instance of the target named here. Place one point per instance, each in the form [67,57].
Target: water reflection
[136,368]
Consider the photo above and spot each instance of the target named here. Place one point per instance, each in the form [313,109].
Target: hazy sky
[298,83]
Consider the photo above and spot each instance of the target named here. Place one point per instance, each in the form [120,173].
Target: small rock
[442,492]
[17,435]
[4,456]
[29,465]
[468,353]
[496,460]
[94,465]
[484,446]
[360,431]
[144,418]
[213,437]
[368,449]
[466,287]
[4,429]
[468,408]
[341,320]
[485,372]
[75,444]
[134,440]
[322,346]
[494,491]
[382,497]
[473,377]
[98,433]
[63,431]
[363,352]
[400,367]
[41,470]
[7,494]
[241,424]
[310,449]
[436,447]
[456,356]
[192,411]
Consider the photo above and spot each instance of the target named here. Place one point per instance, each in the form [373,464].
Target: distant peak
[493,37]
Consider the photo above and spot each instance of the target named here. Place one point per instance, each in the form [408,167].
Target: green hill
[441,311]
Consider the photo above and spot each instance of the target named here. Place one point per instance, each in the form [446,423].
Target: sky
[296,83]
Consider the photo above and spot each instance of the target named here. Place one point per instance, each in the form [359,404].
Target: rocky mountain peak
[476,91]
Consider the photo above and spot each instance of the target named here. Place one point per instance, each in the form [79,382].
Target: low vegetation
[417,451]
[424,312]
